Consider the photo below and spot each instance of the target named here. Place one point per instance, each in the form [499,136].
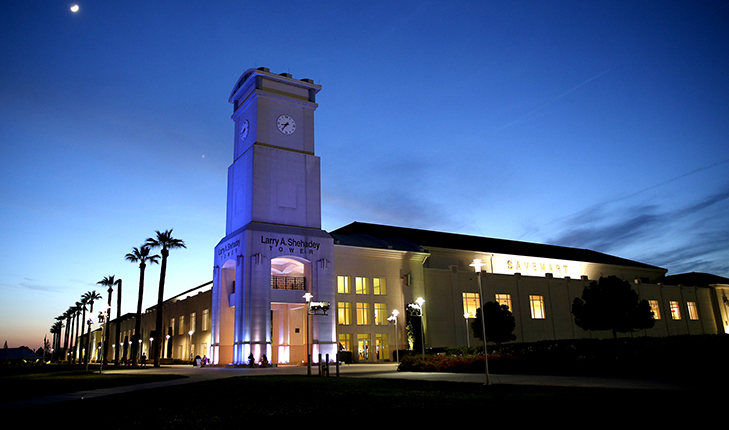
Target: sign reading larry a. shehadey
[284,244]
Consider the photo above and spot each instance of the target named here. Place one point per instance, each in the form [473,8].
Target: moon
[74,8]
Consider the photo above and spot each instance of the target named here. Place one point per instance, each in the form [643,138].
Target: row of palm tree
[142,255]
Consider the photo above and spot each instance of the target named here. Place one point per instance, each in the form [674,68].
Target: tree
[165,241]
[611,304]
[84,302]
[90,297]
[140,255]
[499,320]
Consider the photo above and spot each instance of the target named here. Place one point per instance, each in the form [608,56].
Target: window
[655,309]
[504,299]
[172,325]
[675,310]
[380,313]
[206,320]
[693,310]
[344,313]
[345,342]
[192,321]
[470,304]
[363,314]
[379,286]
[343,285]
[181,327]
[536,304]
[361,286]
[382,346]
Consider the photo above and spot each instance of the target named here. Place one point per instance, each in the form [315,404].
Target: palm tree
[142,256]
[56,330]
[84,302]
[109,282]
[77,350]
[117,338]
[166,242]
[67,316]
[91,296]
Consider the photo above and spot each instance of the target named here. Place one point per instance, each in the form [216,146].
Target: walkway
[384,370]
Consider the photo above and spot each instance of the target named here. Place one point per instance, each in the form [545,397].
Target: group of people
[200,362]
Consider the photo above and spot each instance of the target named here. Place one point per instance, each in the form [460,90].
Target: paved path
[384,370]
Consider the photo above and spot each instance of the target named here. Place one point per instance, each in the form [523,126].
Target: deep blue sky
[600,125]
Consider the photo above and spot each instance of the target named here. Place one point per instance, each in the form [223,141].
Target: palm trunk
[138,322]
[160,299]
[117,338]
[83,330]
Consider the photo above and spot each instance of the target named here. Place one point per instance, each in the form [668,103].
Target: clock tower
[274,251]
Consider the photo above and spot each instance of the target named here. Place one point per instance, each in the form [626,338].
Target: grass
[30,382]
[240,401]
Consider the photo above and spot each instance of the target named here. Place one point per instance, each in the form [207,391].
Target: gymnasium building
[283,288]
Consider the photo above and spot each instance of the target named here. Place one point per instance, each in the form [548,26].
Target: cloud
[692,237]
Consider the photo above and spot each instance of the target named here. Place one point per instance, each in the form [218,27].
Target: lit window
[363,313]
[361,286]
[343,285]
[504,299]
[206,320]
[675,310]
[345,342]
[693,310]
[381,314]
[344,313]
[536,303]
[470,304]
[379,286]
[181,327]
[655,309]
[192,321]
[172,325]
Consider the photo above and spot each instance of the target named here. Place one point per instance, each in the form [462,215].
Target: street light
[468,338]
[393,318]
[477,264]
[420,301]
[190,333]
[308,298]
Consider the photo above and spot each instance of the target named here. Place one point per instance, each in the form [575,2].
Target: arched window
[287,274]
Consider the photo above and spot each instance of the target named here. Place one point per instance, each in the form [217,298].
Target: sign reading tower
[274,250]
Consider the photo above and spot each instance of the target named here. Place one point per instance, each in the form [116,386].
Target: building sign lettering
[283,244]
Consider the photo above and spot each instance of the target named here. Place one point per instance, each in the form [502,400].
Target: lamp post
[468,338]
[393,318]
[420,301]
[308,298]
[190,333]
[478,264]
[88,342]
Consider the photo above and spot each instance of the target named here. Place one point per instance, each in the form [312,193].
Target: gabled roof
[362,234]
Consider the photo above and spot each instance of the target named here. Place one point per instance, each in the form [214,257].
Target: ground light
[468,338]
[477,264]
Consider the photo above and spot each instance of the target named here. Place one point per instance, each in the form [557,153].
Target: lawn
[242,401]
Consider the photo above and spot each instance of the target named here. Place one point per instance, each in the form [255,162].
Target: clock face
[244,128]
[286,124]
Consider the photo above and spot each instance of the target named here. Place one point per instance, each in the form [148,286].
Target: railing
[288,283]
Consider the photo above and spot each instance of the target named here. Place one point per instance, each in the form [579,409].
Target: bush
[673,357]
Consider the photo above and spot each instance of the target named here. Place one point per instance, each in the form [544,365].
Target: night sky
[599,125]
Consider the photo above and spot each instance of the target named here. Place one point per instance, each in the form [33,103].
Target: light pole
[468,338]
[420,301]
[393,318]
[477,264]
[308,298]
[190,333]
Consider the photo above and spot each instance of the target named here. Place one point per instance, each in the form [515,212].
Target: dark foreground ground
[241,401]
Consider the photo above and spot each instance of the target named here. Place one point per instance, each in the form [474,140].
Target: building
[283,288]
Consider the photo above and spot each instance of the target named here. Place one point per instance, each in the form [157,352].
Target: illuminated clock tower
[274,251]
